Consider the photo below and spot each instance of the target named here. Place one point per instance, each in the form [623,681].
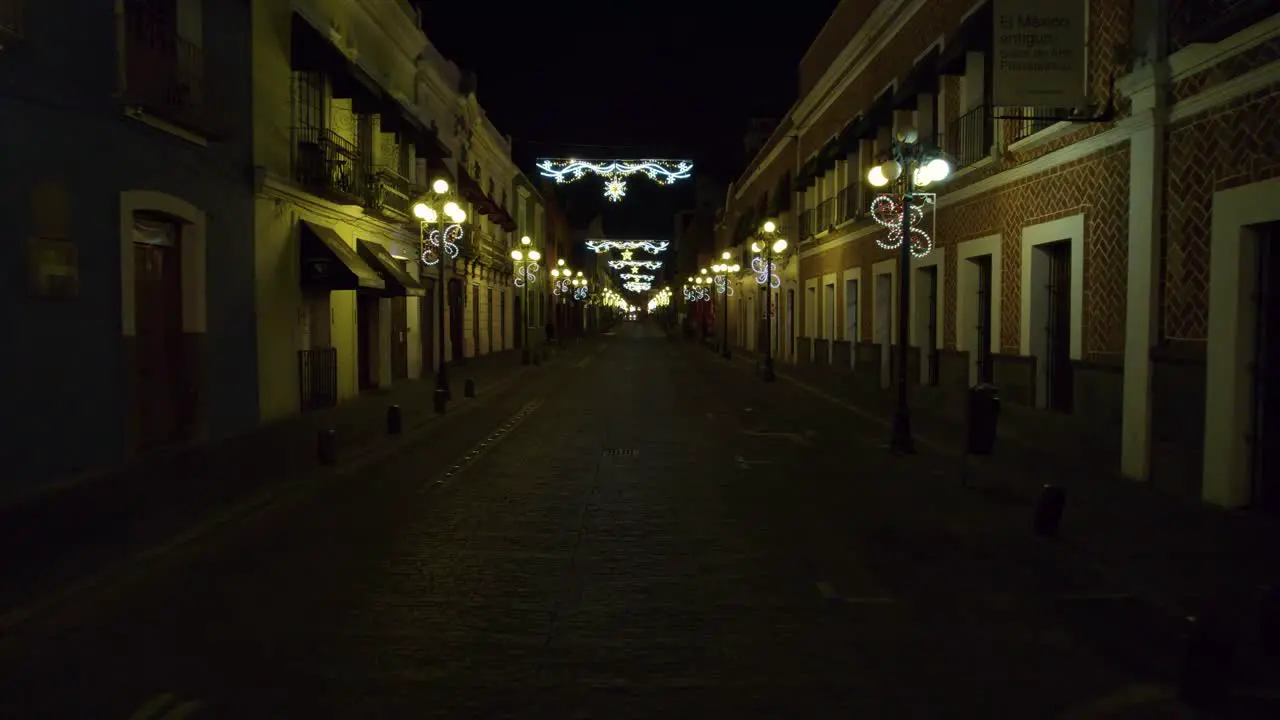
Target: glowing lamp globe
[459,217]
[424,212]
[535,255]
[440,186]
[517,255]
[724,255]
[554,272]
[770,226]
[938,169]
[755,247]
[451,208]
[779,246]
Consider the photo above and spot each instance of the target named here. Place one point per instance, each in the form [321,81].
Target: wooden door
[162,391]
[399,338]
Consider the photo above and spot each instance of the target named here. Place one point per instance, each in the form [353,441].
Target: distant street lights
[436,245]
[725,288]
[526,274]
[770,246]
[920,166]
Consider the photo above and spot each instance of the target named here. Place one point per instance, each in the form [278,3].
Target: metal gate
[1264,436]
[1058,327]
[931,339]
[318,378]
[986,373]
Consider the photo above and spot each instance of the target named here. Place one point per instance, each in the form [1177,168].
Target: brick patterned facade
[1232,145]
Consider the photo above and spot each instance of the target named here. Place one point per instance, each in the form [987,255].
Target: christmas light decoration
[580,292]
[615,188]
[652,247]
[646,264]
[665,172]
[723,286]
[887,210]
[637,276]
[661,299]
[635,286]
[761,269]
[526,273]
[431,249]
[561,286]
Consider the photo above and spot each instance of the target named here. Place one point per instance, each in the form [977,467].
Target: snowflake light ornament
[615,188]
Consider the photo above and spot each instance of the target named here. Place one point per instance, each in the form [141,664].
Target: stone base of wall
[1177,417]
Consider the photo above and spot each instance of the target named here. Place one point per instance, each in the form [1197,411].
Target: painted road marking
[478,451]
[793,437]
[155,708]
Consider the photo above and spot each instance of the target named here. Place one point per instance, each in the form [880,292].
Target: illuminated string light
[696,293]
[526,273]
[662,299]
[637,276]
[431,251]
[723,285]
[645,264]
[580,292]
[636,286]
[761,270]
[652,247]
[887,210]
[663,172]
[561,286]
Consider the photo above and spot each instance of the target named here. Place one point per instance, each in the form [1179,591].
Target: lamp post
[916,165]
[560,288]
[725,289]
[435,247]
[769,246]
[526,272]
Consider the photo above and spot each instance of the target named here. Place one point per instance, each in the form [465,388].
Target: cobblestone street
[634,532]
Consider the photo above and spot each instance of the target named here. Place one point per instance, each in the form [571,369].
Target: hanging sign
[1039,53]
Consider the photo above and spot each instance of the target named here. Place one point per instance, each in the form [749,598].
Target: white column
[1146,202]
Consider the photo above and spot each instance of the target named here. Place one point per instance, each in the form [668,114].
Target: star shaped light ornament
[626,254]
[615,188]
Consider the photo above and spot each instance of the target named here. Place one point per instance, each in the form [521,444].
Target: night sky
[599,79]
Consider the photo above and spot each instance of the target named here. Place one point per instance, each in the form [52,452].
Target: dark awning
[974,34]
[922,78]
[471,190]
[311,51]
[397,281]
[328,262]
[829,156]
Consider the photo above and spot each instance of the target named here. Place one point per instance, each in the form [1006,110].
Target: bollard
[469,388]
[1053,500]
[395,420]
[1269,622]
[327,447]
[1204,679]
[440,399]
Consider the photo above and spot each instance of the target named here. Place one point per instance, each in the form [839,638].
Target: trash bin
[984,409]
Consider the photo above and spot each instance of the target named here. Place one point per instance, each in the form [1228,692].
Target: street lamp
[560,288]
[435,246]
[526,273]
[917,166]
[725,289]
[770,246]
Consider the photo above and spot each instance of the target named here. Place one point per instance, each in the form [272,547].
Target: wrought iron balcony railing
[826,216]
[806,224]
[388,193]
[848,207]
[163,73]
[1037,119]
[328,164]
[970,137]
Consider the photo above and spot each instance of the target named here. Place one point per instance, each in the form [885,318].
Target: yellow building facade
[355,116]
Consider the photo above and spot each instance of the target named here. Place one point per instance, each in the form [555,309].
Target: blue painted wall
[64,382]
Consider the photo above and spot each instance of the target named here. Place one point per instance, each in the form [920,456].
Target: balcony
[1211,21]
[970,137]
[328,164]
[1035,119]
[806,224]
[388,194]
[163,73]
[826,216]
[847,203]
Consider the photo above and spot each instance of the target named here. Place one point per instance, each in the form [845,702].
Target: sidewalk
[54,536]
[1191,558]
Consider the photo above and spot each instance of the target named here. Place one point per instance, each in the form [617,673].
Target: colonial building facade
[1110,267]
[355,116]
[129,231]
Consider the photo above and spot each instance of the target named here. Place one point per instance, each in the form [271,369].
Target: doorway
[884,325]
[829,319]
[366,336]
[927,323]
[163,399]
[982,347]
[455,321]
[791,322]
[851,319]
[475,320]
[1051,315]
[493,341]
[399,337]
[1264,435]
[502,319]
[427,323]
